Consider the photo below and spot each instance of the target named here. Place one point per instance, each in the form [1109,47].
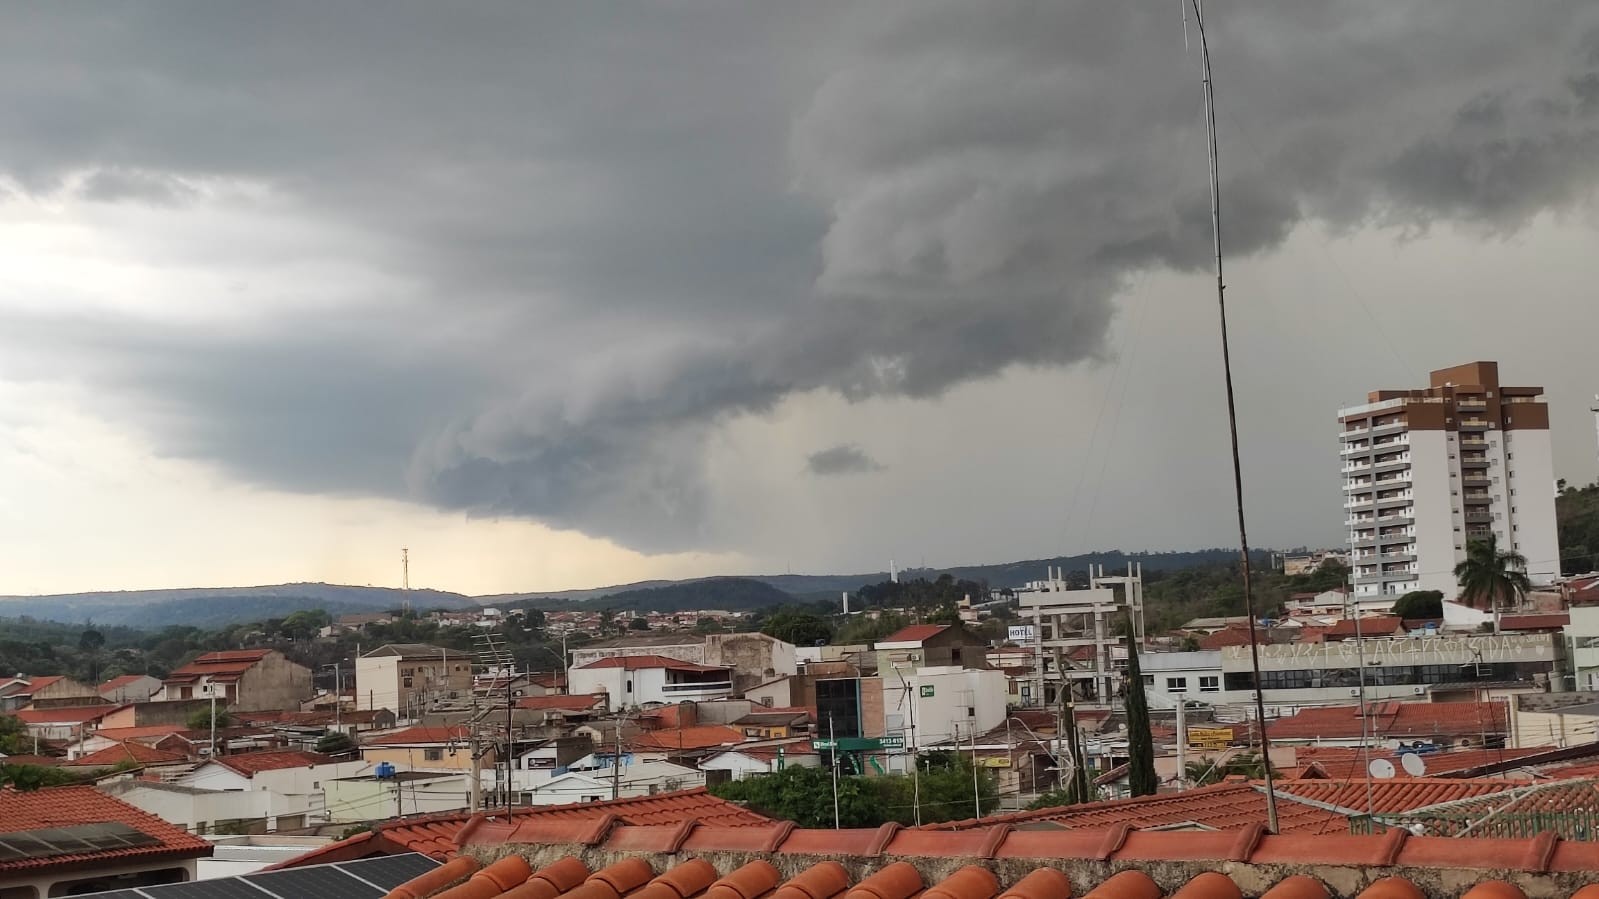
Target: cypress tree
[1140,742]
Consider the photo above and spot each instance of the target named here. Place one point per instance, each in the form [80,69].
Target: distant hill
[217,606]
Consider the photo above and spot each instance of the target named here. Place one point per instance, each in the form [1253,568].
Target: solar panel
[45,842]
[120,894]
[220,888]
[389,871]
[313,883]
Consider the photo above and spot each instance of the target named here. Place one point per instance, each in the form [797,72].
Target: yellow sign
[993,761]
[1210,737]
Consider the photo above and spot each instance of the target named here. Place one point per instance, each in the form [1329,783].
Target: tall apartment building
[1426,471]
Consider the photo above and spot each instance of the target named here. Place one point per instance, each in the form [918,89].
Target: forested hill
[211,607]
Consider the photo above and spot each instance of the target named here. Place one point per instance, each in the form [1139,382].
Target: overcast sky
[573,294]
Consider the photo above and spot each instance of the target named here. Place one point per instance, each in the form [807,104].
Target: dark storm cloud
[846,458]
[624,227]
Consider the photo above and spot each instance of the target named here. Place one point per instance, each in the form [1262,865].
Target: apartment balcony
[1356,466]
[1354,450]
[692,690]
[1478,461]
[1392,427]
[1397,557]
[1403,516]
[1476,480]
[1476,499]
[1473,443]
[1402,498]
[1363,542]
[1391,464]
[1475,424]
[1470,404]
[1353,432]
[1393,480]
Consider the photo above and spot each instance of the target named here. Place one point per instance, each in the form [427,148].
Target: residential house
[562,708]
[191,808]
[630,681]
[292,777]
[302,730]
[130,755]
[243,679]
[140,849]
[739,762]
[775,724]
[365,796]
[63,722]
[445,748]
[410,678]
[129,688]
[931,646]
[156,712]
[59,690]
[752,658]
[641,778]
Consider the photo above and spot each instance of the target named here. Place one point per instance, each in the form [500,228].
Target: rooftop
[252,763]
[123,681]
[1408,720]
[53,807]
[702,737]
[915,633]
[71,714]
[410,651]
[580,702]
[225,665]
[137,754]
[435,835]
[636,663]
[416,736]
[608,860]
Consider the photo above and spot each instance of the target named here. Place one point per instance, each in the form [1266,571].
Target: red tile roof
[416,736]
[435,835]
[891,863]
[252,763]
[44,761]
[1223,806]
[122,681]
[1374,626]
[1339,762]
[635,663]
[39,683]
[767,752]
[71,714]
[580,702]
[702,737]
[1407,720]
[1390,796]
[226,665]
[69,806]
[129,751]
[1230,635]
[915,633]
[135,733]
[1552,621]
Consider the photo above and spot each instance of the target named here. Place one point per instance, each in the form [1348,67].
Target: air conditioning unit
[1354,691]
[1418,690]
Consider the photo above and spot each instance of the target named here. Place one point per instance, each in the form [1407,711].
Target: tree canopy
[1420,604]
[1491,577]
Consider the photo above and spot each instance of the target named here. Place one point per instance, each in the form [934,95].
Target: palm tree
[1490,576]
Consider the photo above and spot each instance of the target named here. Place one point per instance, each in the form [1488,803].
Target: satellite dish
[1382,769]
[1415,765]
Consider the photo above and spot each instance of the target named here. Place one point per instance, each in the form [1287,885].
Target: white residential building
[1426,471]
[643,680]
[293,778]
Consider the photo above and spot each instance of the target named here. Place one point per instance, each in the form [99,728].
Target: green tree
[798,628]
[335,742]
[1207,771]
[1420,604]
[1140,740]
[32,777]
[200,719]
[14,736]
[638,624]
[304,624]
[1491,577]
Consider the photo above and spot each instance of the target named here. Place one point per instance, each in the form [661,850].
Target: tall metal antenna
[1232,413]
[405,576]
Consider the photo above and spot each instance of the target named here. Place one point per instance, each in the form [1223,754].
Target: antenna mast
[405,575]
[1232,414]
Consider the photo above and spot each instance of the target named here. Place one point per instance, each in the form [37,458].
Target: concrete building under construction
[1075,634]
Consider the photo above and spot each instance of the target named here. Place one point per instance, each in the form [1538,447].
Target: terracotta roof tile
[1374,626]
[1343,762]
[116,682]
[72,714]
[580,702]
[1395,720]
[252,763]
[915,633]
[704,736]
[421,735]
[128,751]
[69,806]
[435,835]
[1012,864]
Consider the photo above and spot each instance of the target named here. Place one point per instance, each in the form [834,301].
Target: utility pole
[1182,743]
[211,686]
[616,762]
[834,755]
[476,801]
[977,801]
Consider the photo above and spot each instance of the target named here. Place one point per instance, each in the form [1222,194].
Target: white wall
[1191,666]
[941,716]
[190,809]
[743,766]
[366,798]
[1436,537]
[377,683]
[1531,465]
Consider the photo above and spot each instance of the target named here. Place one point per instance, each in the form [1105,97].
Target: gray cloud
[846,458]
[621,232]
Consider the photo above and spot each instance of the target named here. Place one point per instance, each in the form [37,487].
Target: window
[1149,680]
[433,755]
[408,682]
[1210,684]
[1176,685]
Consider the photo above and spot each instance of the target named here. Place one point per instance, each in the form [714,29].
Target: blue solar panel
[315,882]
[389,871]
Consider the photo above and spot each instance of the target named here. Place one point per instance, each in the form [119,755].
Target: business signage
[893,742]
[927,691]
[1020,633]
[1215,738]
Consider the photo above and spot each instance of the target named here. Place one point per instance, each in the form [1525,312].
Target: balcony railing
[698,687]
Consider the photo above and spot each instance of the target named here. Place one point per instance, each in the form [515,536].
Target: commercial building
[1427,471]
[753,659]
[410,678]
[643,680]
